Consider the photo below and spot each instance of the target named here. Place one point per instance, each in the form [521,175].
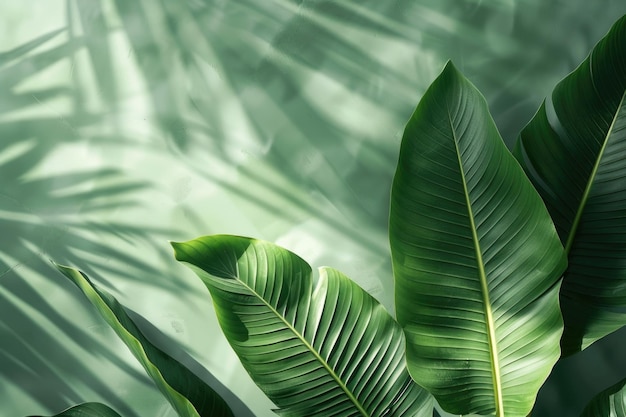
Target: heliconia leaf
[87,410]
[476,259]
[317,346]
[609,403]
[188,394]
[574,152]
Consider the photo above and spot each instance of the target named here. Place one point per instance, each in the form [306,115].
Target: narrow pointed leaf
[476,259]
[88,410]
[609,403]
[574,151]
[188,394]
[317,346]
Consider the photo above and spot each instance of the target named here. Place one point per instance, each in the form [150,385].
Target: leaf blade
[90,409]
[307,342]
[574,152]
[609,403]
[463,219]
[188,394]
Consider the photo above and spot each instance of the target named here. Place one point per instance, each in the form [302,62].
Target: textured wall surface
[128,123]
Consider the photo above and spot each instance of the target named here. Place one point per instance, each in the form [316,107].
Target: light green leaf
[317,346]
[609,403]
[188,394]
[574,152]
[476,259]
[88,410]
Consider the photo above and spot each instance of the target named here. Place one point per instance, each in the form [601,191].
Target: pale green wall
[127,123]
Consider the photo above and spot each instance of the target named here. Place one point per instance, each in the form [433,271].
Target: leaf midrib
[592,176]
[493,351]
[308,346]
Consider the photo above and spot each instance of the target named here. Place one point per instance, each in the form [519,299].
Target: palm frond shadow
[164,342]
[242,71]
[39,361]
[54,213]
[95,31]
[154,58]
[21,50]
[513,51]
[266,54]
[277,49]
[57,216]
[271,59]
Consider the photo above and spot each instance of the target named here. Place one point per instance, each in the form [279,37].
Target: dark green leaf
[476,259]
[609,403]
[574,152]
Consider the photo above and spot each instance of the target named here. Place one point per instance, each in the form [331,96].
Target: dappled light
[125,124]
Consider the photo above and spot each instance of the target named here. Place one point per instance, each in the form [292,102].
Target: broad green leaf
[317,346]
[87,410]
[574,152]
[476,259]
[188,394]
[609,403]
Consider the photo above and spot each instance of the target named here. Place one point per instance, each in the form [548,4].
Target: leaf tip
[450,70]
[449,66]
[176,246]
[64,269]
[184,251]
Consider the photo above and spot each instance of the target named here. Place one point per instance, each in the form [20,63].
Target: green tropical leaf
[87,410]
[315,345]
[609,403]
[187,393]
[476,259]
[574,152]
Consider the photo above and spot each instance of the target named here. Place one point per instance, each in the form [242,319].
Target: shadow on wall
[44,215]
[155,336]
[315,92]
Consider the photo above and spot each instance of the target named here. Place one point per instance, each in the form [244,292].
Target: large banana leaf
[88,410]
[574,151]
[476,259]
[188,394]
[316,346]
[609,403]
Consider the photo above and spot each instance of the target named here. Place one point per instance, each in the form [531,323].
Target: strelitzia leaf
[317,346]
[87,410]
[574,152]
[188,394]
[477,261]
[609,403]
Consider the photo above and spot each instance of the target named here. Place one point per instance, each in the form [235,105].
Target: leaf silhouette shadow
[57,215]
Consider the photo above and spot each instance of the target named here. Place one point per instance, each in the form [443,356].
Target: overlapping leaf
[476,259]
[316,346]
[187,393]
[609,403]
[574,151]
[88,410]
